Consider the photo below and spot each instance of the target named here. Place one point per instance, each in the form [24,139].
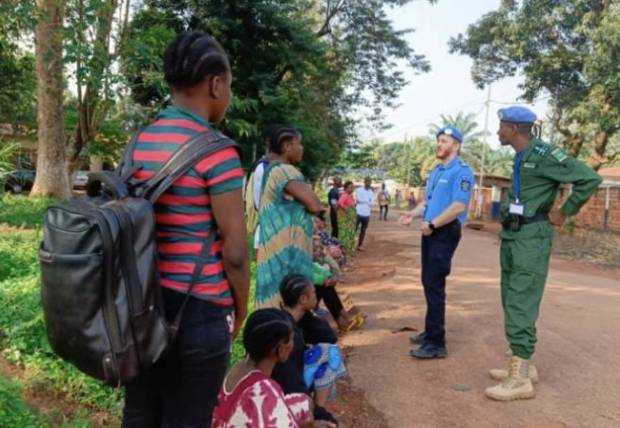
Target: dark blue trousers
[181,389]
[437,252]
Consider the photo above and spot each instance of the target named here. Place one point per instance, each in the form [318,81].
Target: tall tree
[568,49]
[52,178]
[17,65]
[465,122]
[89,49]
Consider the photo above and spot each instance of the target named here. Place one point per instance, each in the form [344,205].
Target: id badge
[516,209]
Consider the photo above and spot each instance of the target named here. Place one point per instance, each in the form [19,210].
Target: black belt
[514,222]
[533,219]
[452,225]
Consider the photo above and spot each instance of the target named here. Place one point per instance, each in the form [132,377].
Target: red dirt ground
[577,353]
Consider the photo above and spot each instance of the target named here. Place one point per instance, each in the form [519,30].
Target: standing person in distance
[448,192]
[332,200]
[365,199]
[526,237]
[181,389]
[384,203]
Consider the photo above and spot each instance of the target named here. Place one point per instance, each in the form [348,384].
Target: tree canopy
[568,50]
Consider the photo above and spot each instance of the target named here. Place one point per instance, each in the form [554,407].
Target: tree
[88,47]
[51,178]
[17,66]
[465,122]
[568,49]
[294,61]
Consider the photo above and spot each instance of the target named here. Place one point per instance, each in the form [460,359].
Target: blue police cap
[452,131]
[516,114]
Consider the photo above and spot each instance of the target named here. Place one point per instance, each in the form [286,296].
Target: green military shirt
[544,168]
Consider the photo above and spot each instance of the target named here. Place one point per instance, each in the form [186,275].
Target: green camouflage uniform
[525,249]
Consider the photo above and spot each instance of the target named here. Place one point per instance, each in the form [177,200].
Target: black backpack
[100,293]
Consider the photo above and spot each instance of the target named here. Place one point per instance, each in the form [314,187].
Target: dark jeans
[437,252]
[331,298]
[181,389]
[383,212]
[333,219]
[363,221]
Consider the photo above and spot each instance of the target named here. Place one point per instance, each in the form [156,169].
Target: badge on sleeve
[465,185]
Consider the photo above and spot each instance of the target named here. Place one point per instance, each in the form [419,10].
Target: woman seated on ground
[249,397]
[315,362]
[325,276]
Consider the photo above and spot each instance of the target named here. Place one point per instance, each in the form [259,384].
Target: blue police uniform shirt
[446,184]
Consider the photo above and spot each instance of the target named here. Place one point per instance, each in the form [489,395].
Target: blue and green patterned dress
[285,237]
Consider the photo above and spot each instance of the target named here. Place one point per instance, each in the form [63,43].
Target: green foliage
[465,122]
[18,211]
[14,412]
[569,49]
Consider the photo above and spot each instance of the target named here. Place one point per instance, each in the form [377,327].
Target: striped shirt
[183,213]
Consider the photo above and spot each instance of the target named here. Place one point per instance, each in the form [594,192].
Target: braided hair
[264,330]
[281,134]
[292,288]
[191,57]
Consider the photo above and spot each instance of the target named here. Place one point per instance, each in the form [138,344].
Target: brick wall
[592,214]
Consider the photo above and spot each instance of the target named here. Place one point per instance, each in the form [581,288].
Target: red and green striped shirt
[184,214]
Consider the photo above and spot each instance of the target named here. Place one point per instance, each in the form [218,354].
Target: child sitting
[315,362]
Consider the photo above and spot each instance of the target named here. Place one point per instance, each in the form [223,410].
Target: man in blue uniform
[448,191]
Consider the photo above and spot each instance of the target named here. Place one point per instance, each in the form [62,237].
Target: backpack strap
[186,157]
[201,146]
[126,167]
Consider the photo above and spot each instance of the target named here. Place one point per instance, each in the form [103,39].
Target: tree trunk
[598,158]
[51,178]
[91,109]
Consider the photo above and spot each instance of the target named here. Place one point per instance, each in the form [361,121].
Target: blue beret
[516,114]
[452,131]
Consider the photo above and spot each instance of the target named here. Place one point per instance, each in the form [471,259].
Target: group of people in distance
[292,358]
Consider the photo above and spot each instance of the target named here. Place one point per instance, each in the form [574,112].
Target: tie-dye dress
[285,235]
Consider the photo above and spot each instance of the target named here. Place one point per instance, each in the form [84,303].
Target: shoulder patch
[465,184]
[559,154]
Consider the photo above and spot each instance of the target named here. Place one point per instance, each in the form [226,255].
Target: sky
[448,87]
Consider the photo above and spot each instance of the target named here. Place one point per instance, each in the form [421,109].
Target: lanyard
[517,175]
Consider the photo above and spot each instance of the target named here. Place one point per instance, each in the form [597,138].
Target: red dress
[258,402]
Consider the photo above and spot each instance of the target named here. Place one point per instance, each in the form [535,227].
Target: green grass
[14,412]
[20,211]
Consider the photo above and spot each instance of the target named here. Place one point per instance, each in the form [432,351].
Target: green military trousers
[525,263]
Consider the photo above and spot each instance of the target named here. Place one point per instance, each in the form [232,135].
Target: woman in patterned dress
[287,204]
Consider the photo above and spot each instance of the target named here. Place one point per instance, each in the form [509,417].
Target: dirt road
[578,352]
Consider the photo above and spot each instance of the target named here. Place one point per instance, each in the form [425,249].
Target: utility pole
[487,105]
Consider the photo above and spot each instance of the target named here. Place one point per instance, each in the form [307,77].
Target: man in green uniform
[527,232]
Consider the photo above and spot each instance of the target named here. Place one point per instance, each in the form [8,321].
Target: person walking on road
[527,232]
[448,192]
[332,200]
[365,199]
[384,203]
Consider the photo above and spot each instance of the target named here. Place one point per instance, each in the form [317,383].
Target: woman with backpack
[181,388]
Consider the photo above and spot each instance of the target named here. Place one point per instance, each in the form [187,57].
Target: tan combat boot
[502,374]
[516,386]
